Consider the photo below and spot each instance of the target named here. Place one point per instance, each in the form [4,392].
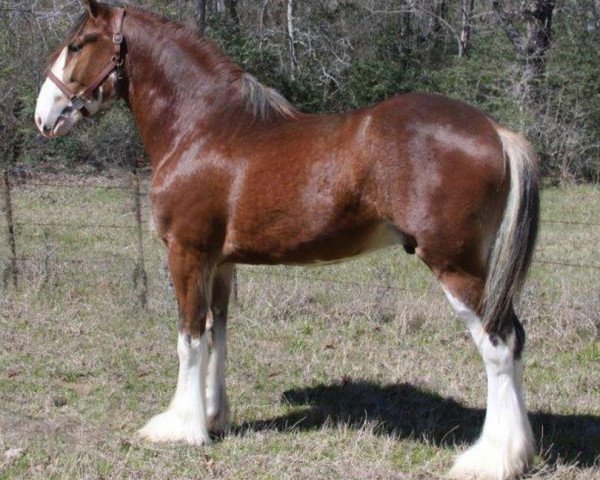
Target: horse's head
[83,74]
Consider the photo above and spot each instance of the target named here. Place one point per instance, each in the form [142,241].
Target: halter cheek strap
[116,63]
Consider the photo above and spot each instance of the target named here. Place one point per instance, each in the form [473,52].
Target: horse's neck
[176,86]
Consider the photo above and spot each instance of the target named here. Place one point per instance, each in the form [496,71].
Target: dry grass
[366,377]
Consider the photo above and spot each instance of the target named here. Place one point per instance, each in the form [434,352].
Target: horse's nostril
[41,126]
[44,128]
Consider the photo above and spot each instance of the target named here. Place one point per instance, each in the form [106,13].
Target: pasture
[355,371]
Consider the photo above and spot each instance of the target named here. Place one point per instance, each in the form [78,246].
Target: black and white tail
[512,250]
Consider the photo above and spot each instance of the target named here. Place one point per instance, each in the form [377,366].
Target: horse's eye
[74,48]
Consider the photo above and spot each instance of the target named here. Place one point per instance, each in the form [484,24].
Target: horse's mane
[259,100]
[263,101]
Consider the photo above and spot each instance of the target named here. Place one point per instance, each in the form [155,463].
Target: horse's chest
[192,214]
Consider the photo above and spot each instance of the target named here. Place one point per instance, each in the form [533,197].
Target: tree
[231,6]
[201,15]
[532,46]
[333,55]
[291,37]
[465,29]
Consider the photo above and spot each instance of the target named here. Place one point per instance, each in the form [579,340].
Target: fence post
[140,276]
[47,258]
[10,228]
[18,140]
[234,287]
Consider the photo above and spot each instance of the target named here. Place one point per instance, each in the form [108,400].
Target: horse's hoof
[485,462]
[217,428]
[217,423]
[172,426]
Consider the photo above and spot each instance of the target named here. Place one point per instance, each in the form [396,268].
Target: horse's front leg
[185,419]
[217,404]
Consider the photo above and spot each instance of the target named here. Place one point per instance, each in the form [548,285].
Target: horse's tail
[511,252]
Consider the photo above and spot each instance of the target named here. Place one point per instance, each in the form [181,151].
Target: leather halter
[116,63]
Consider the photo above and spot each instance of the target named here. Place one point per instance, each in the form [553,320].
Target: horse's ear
[92,7]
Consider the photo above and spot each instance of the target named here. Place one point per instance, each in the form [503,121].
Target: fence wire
[15,227]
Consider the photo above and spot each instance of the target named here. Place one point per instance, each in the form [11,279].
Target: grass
[358,371]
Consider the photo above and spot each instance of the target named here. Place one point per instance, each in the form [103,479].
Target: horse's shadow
[410,412]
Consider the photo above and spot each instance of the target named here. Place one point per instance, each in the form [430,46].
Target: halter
[116,63]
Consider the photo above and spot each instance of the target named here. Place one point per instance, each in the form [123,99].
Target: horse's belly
[335,248]
[381,237]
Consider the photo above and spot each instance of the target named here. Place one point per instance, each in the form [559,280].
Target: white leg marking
[505,448]
[185,419]
[217,404]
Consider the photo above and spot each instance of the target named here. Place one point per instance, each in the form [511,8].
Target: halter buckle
[77,103]
[117,38]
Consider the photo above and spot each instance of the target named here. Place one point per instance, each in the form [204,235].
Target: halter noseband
[116,62]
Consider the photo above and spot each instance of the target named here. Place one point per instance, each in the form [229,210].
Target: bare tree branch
[511,32]
[291,38]
[465,29]
[263,13]
[414,9]
[231,6]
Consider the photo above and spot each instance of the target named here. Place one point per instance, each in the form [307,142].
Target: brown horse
[241,176]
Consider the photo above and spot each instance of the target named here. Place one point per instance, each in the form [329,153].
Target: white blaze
[51,101]
[50,111]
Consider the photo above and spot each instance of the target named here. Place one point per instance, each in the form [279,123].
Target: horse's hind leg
[185,419]
[216,394]
[505,448]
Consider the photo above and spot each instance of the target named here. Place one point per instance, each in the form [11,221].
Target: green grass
[356,371]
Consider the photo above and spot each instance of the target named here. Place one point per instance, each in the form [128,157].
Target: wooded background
[534,65]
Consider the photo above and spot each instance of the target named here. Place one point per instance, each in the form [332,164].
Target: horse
[240,176]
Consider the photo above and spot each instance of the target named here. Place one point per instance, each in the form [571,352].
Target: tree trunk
[201,15]
[263,15]
[533,46]
[440,10]
[439,16]
[465,29]
[291,38]
[219,7]
[231,6]
[539,35]
[405,38]
[595,16]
